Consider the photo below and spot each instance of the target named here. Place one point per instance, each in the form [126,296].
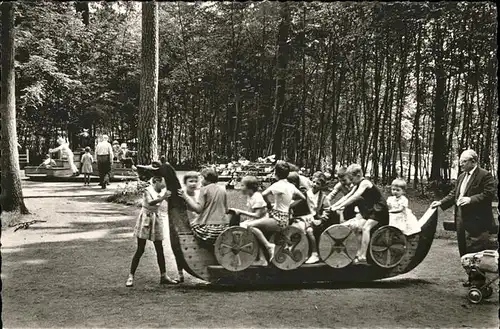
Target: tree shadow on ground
[381,284]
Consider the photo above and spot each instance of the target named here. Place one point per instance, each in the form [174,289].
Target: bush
[129,194]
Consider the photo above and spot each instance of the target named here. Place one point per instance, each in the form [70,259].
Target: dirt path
[70,272]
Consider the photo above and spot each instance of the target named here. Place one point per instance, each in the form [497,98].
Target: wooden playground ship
[62,170]
[230,260]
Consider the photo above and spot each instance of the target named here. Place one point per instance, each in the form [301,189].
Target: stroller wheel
[474,296]
[487,292]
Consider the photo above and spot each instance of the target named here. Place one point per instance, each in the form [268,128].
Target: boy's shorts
[306,221]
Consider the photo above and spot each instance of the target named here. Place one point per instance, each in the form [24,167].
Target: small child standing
[400,215]
[86,161]
[149,226]
[258,211]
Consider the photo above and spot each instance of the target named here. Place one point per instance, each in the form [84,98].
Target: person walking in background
[104,156]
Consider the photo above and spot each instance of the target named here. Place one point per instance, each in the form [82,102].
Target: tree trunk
[375,108]
[282,63]
[11,191]
[321,141]
[490,107]
[304,90]
[148,104]
[439,112]
[83,8]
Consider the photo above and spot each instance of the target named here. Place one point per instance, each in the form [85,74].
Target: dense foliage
[316,83]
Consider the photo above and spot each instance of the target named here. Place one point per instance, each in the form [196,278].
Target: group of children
[305,206]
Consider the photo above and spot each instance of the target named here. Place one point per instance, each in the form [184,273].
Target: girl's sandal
[165,280]
[130,282]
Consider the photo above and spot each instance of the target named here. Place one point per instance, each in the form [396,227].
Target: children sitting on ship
[372,206]
[284,193]
[400,215]
[211,207]
[344,187]
[260,221]
[309,214]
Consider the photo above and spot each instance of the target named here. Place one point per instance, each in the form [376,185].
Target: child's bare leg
[312,240]
[261,258]
[300,225]
[341,216]
[265,224]
[314,249]
[365,238]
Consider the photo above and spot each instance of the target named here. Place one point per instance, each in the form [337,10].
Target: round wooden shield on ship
[236,248]
[387,246]
[292,248]
[338,246]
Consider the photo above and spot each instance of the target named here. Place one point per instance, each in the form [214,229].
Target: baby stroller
[482,268]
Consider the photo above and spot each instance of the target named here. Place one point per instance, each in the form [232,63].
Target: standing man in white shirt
[104,156]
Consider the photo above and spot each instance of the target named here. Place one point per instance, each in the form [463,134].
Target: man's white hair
[105,137]
[471,154]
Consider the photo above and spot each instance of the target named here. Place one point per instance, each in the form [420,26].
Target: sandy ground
[71,272]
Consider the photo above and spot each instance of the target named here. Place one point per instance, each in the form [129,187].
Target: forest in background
[314,83]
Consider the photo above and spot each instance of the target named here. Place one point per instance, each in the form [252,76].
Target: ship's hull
[201,262]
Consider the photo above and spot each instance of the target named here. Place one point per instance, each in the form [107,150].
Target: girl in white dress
[66,152]
[87,169]
[149,226]
[400,215]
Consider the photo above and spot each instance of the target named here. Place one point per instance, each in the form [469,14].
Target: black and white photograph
[249,164]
